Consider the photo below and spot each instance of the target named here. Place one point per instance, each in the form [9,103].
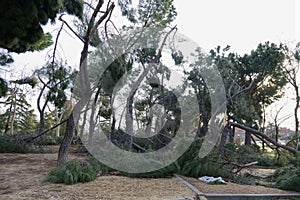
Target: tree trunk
[64,146]
[13,115]
[247,138]
[58,128]
[296,117]
[7,121]
[223,139]
[92,123]
[42,122]
[150,117]
[231,134]
[204,112]
[129,121]
[83,80]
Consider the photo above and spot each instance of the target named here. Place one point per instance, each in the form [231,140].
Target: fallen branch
[242,166]
[31,138]
[258,133]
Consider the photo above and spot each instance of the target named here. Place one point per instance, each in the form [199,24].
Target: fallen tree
[264,136]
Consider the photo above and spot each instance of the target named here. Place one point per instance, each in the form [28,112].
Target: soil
[22,177]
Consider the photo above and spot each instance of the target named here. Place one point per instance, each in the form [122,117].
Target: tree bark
[204,112]
[296,117]
[64,147]
[247,138]
[223,139]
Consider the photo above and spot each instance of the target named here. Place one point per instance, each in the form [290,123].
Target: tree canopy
[21,21]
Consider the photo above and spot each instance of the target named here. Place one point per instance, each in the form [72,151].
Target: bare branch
[78,36]
[56,42]
[102,18]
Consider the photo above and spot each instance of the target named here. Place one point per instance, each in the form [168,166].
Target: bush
[266,161]
[246,179]
[72,172]
[48,139]
[11,144]
[248,153]
[288,178]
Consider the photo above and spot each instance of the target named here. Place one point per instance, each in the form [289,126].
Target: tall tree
[262,69]
[84,85]
[18,112]
[144,14]
[292,73]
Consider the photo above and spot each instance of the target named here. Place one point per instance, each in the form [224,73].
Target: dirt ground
[22,174]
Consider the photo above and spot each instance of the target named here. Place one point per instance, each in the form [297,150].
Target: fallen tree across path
[264,136]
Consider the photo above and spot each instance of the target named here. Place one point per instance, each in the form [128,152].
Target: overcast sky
[242,24]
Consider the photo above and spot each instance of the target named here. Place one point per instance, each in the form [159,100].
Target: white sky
[242,24]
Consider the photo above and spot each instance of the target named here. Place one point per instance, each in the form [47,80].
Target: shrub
[72,172]
[266,161]
[287,178]
[48,139]
[11,144]
[245,179]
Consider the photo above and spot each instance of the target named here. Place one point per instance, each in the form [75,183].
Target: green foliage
[72,172]
[267,161]
[248,153]
[11,144]
[246,179]
[41,44]
[21,22]
[193,166]
[188,164]
[48,139]
[28,80]
[58,78]
[263,68]
[288,178]
[18,117]
[158,12]
[5,59]
[3,87]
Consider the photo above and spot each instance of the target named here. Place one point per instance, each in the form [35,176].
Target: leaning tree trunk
[83,80]
[75,114]
[64,147]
